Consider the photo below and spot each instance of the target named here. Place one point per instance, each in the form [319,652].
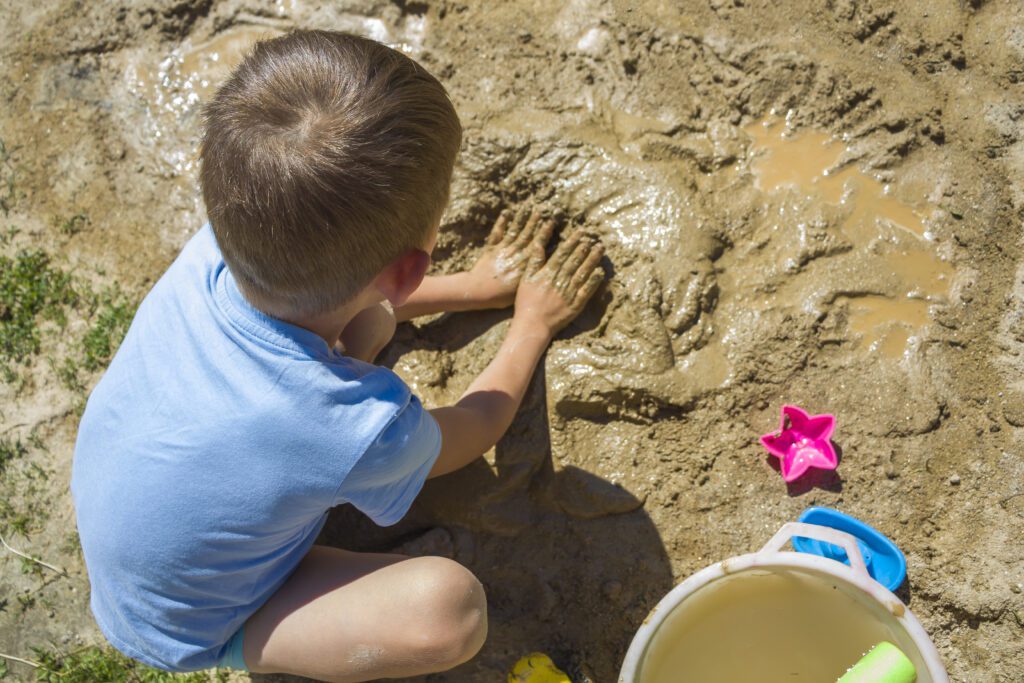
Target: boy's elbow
[466,434]
[452,459]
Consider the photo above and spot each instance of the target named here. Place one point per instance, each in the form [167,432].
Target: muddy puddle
[797,169]
[191,74]
[172,89]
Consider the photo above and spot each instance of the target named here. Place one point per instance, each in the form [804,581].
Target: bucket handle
[819,533]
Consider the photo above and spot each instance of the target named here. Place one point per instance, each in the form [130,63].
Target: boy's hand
[495,276]
[551,294]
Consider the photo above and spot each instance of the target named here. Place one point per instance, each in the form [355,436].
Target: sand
[694,139]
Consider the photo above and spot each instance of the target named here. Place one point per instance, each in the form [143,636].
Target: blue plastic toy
[884,560]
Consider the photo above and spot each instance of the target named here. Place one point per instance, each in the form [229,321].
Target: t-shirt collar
[261,325]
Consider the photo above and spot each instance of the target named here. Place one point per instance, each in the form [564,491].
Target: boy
[241,405]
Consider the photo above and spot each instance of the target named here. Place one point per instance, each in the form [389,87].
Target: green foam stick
[885,663]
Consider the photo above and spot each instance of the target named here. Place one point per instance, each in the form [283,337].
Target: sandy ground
[893,297]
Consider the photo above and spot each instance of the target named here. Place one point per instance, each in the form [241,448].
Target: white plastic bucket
[776,616]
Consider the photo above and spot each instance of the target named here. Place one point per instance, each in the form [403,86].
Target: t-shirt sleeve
[385,481]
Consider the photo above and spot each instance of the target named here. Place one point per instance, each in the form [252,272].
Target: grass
[103,664]
[8,190]
[26,602]
[13,519]
[9,234]
[36,299]
[110,315]
[31,291]
[73,225]
[23,508]
[10,450]
[72,543]
[30,565]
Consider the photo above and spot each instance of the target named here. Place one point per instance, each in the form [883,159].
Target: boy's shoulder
[198,345]
[204,385]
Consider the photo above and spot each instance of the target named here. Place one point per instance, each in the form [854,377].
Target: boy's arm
[550,295]
[447,294]
[492,281]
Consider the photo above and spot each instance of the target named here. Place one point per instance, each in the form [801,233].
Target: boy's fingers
[574,261]
[536,260]
[526,234]
[588,267]
[516,225]
[498,231]
[511,220]
[563,251]
[587,290]
[544,233]
[523,215]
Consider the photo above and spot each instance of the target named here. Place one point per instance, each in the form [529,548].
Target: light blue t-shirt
[210,452]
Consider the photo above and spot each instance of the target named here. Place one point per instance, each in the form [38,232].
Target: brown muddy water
[806,202]
[807,166]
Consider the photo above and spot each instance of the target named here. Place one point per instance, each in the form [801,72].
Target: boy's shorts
[232,658]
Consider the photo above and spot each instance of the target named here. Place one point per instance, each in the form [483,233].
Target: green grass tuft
[30,290]
[73,225]
[111,315]
[8,190]
[23,510]
[100,665]
[10,450]
[9,234]
[67,373]
[114,313]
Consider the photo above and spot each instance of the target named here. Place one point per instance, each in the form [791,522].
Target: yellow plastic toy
[537,667]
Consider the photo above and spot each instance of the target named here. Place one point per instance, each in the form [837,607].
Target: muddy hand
[497,273]
[554,292]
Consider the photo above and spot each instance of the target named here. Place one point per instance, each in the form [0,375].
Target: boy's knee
[453,608]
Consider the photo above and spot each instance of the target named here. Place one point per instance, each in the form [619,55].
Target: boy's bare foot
[552,293]
[497,273]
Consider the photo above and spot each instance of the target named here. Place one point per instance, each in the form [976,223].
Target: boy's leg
[345,616]
[369,332]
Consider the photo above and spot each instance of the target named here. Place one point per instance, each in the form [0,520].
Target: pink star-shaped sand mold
[801,442]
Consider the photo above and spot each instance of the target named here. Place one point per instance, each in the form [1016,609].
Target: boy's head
[326,156]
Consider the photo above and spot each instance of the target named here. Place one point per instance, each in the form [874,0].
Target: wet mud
[813,203]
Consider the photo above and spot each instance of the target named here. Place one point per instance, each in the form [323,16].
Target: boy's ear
[403,276]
